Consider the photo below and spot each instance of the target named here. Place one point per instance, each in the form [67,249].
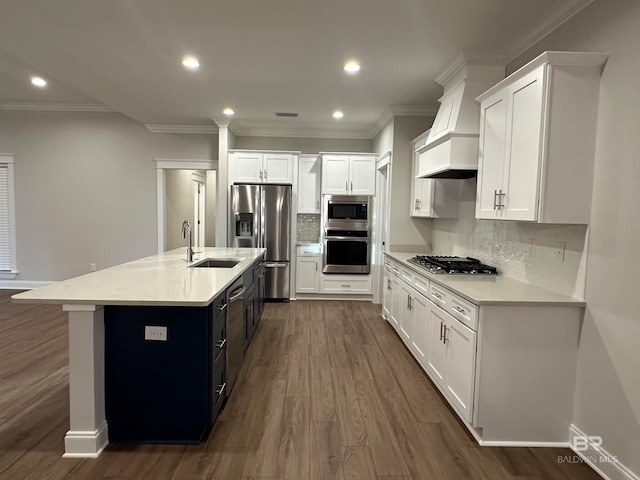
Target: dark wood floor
[327,391]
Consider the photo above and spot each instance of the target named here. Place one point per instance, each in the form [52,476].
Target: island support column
[87,436]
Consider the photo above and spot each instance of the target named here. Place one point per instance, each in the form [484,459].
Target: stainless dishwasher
[235,295]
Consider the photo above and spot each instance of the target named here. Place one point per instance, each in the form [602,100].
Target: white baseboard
[80,444]
[23,284]
[605,464]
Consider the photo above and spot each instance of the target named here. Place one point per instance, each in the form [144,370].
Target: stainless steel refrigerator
[261,217]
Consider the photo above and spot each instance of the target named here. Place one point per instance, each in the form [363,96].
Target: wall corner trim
[603,462]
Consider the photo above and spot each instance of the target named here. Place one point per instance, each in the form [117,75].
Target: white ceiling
[257,56]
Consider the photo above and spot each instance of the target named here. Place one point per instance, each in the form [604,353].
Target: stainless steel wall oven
[347,245]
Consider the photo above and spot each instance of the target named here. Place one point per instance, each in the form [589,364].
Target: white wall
[304,145]
[86,188]
[608,387]
[405,233]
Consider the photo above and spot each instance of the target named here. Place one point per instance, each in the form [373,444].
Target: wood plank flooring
[327,391]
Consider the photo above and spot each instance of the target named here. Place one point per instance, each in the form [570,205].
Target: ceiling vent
[286,114]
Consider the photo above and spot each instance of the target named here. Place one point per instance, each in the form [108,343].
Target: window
[7,219]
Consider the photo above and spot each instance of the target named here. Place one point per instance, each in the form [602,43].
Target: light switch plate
[155,333]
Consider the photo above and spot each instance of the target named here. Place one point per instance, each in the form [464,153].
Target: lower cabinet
[345,284]
[451,358]
[307,274]
[165,372]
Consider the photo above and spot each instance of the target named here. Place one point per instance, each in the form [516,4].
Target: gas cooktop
[453,265]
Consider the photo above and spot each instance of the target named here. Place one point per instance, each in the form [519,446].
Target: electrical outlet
[155,333]
[92,267]
[560,249]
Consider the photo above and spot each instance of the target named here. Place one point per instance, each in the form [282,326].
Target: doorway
[186,189]
[381,224]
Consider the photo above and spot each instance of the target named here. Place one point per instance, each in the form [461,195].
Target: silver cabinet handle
[501,199]
[316,262]
[346,186]
[444,338]
[458,309]
[441,334]
[221,388]
[345,286]
[265,176]
[221,343]
[318,204]
[352,186]
[437,295]
[410,303]
[496,205]
[222,308]
[260,174]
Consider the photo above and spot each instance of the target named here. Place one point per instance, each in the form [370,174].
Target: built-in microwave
[346,212]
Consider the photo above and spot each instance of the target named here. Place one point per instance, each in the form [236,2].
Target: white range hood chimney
[451,150]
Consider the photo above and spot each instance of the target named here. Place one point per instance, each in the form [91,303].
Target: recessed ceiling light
[338,114]
[39,82]
[351,67]
[191,63]
[228,111]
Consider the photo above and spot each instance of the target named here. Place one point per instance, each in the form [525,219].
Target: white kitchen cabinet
[308,266]
[451,358]
[307,278]
[261,167]
[537,141]
[386,295]
[309,167]
[406,317]
[345,284]
[432,198]
[348,174]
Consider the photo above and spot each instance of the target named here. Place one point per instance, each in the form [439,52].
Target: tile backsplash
[549,256]
[308,228]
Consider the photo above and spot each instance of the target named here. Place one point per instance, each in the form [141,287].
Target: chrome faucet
[186,233]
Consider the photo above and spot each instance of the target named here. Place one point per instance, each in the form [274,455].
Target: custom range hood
[451,149]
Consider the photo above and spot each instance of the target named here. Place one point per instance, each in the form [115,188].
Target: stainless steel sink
[217,263]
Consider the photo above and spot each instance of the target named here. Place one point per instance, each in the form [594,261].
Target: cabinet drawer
[311,250]
[218,385]
[407,275]
[464,311]
[359,285]
[219,305]
[219,340]
[421,284]
[438,295]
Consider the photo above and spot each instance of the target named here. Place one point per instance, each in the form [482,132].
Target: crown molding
[402,111]
[56,107]
[195,129]
[546,29]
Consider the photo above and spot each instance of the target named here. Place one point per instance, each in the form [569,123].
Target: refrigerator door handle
[274,264]
[263,225]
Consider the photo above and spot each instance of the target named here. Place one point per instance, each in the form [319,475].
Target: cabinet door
[245,167]
[461,345]
[423,195]
[420,336]
[362,175]
[493,124]
[277,168]
[307,275]
[386,296]
[524,133]
[335,173]
[437,350]
[406,325]
[396,303]
[309,185]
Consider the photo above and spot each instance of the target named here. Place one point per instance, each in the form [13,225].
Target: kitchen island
[164,280]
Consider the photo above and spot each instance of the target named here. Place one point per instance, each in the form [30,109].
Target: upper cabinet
[537,141]
[309,167]
[432,198]
[261,167]
[349,174]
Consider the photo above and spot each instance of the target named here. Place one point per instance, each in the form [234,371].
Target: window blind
[5,224]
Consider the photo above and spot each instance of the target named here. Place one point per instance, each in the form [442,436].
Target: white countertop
[491,289]
[163,279]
